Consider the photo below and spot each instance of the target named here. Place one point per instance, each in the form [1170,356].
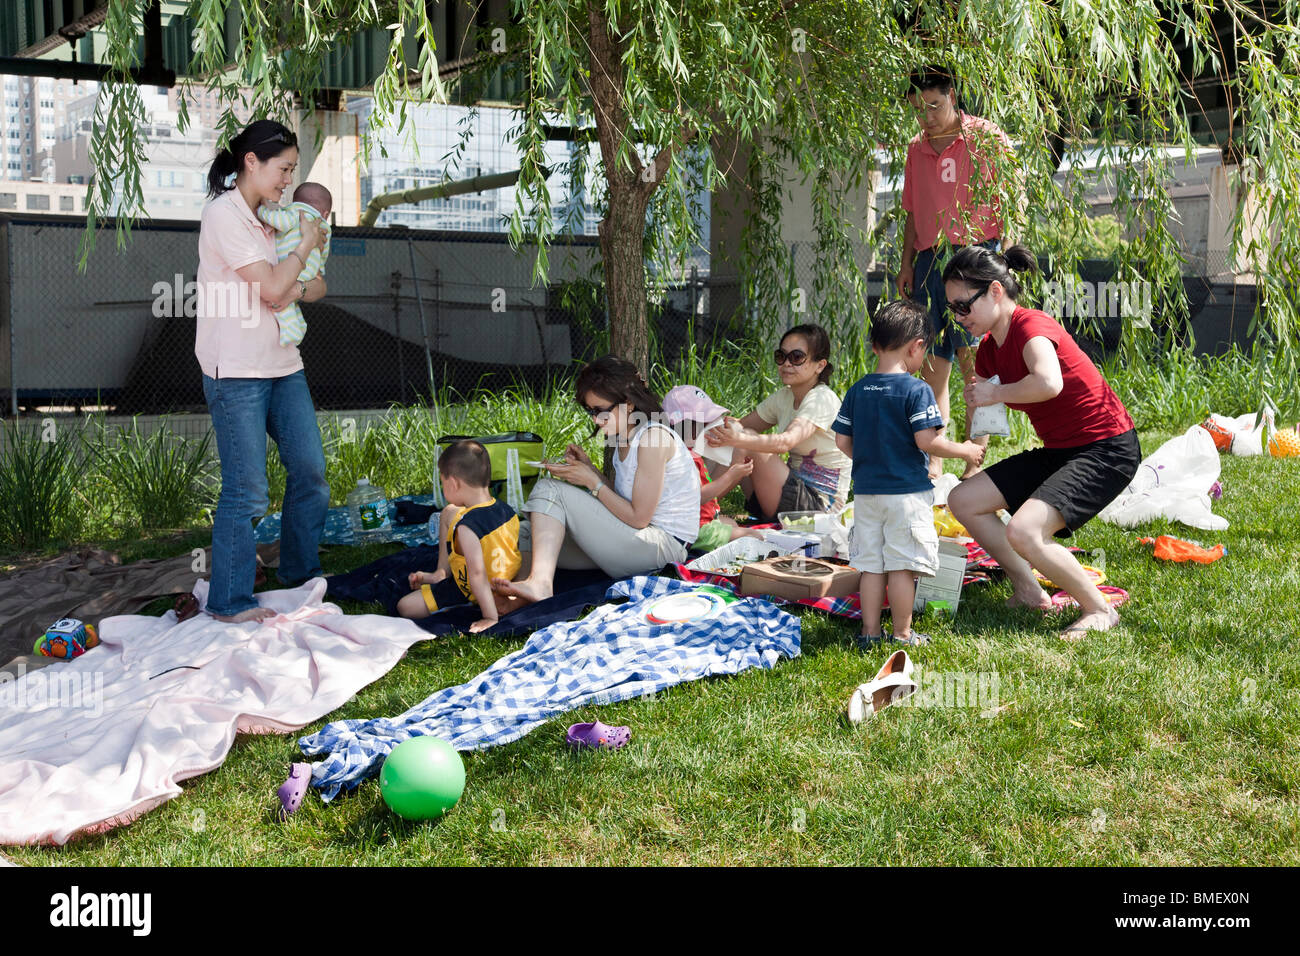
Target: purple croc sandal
[597,736]
[294,789]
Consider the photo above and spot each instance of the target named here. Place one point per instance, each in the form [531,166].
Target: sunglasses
[600,413]
[795,357]
[958,307]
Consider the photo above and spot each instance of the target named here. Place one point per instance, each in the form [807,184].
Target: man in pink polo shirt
[950,197]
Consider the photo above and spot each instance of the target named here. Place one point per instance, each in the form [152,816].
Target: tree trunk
[621,248]
[622,231]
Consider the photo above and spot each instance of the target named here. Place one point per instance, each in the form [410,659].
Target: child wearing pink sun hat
[690,411]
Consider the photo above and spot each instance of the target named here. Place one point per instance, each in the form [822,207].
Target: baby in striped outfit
[314,200]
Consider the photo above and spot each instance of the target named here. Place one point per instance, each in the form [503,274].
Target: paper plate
[1097,577]
[680,608]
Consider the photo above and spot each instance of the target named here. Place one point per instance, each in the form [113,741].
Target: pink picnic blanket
[93,743]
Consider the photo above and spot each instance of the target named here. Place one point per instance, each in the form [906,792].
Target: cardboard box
[945,586]
[796,578]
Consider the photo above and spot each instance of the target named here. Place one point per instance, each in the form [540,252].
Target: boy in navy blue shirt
[889,424]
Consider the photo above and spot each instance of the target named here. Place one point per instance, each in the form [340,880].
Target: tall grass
[41,471]
[163,480]
[1178,389]
[47,492]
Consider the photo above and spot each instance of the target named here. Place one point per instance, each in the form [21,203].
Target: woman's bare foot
[1037,599]
[527,591]
[252,614]
[1092,621]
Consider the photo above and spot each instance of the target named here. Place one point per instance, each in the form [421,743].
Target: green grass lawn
[1170,740]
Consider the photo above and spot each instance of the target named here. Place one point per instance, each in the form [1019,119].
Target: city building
[425,153]
[174,174]
[32,111]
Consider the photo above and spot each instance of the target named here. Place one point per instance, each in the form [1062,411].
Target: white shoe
[892,683]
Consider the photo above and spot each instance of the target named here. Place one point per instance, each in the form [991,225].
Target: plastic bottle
[368,512]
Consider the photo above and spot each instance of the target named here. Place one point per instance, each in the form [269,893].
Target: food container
[788,542]
[801,521]
[732,556]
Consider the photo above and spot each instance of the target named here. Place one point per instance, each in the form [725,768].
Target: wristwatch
[302,290]
[595,492]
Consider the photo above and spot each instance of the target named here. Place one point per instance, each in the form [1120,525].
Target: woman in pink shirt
[255,386]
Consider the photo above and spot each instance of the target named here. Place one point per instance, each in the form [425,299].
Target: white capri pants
[595,538]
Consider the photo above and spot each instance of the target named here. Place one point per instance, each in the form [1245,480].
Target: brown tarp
[89,585]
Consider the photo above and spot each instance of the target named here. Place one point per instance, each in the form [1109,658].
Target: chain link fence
[409,314]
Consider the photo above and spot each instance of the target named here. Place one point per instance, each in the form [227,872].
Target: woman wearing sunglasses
[1090,451]
[641,522]
[816,477]
[255,386]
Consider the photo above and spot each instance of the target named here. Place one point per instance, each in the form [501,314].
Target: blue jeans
[927,289]
[244,411]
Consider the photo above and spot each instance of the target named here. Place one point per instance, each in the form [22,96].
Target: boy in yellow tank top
[478,539]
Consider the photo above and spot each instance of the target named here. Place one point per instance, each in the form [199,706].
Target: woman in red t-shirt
[1090,451]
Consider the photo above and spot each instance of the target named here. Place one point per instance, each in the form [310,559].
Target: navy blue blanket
[385,581]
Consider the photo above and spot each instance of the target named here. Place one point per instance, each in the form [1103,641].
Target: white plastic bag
[439,500]
[944,484]
[514,482]
[990,419]
[1173,482]
[1251,433]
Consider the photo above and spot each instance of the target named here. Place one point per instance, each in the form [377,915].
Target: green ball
[422,778]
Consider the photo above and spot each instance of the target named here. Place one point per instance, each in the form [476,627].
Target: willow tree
[808,90]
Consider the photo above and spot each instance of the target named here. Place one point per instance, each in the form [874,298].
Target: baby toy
[66,639]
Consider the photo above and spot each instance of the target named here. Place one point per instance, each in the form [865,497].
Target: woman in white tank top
[643,521]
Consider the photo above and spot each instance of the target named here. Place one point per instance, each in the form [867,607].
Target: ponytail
[1020,259]
[978,266]
[219,172]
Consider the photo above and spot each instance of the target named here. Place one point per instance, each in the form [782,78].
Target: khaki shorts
[895,533]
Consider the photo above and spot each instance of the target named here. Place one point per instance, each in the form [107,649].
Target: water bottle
[368,511]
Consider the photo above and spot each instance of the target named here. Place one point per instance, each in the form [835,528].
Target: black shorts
[444,594]
[796,495]
[1077,482]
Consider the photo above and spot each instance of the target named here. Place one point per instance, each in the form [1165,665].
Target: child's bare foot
[252,614]
[970,472]
[527,591]
[505,604]
[1092,621]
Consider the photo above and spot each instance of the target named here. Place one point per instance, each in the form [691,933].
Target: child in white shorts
[889,424]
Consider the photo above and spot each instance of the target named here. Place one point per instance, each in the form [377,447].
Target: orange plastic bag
[1222,437]
[1169,548]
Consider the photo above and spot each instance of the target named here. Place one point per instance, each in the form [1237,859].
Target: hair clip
[230,180]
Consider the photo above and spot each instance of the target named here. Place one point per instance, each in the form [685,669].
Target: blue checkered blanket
[615,653]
